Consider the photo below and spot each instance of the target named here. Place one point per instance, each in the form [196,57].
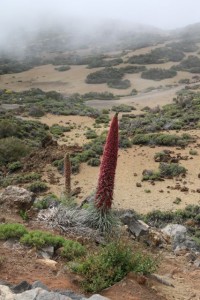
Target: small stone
[21,287]
[98,297]
[47,262]
[46,252]
[138,184]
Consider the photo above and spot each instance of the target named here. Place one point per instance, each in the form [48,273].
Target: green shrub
[99,62]
[124,142]
[57,130]
[39,239]
[154,175]
[119,84]
[38,187]
[90,134]
[110,265]
[123,108]
[12,167]
[161,139]
[63,68]
[103,118]
[161,218]
[36,111]
[13,230]
[99,96]
[133,69]
[19,179]
[72,250]
[94,162]
[105,75]
[7,128]
[171,169]
[157,56]
[12,149]
[193,152]
[190,64]
[158,74]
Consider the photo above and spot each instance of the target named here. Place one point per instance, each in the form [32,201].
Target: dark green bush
[99,96]
[123,108]
[90,134]
[119,84]
[63,68]
[12,167]
[157,56]
[12,149]
[105,75]
[133,69]
[110,265]
[171,169]
[161,139]
[158,74]
[94,162]
[57,130]
[13,230]
[38,187]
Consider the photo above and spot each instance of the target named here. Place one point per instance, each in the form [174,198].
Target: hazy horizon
[23,18]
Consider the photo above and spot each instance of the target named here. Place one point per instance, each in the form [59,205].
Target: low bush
[19,179]
[12,230]
[105,75]
[171,169]
[38,187]
[157,56]
[63,68]
[193,152]
[133,69]
[110,265]
[161,139]
[12,149]
[58,130]
[180,216]
[119,84]
[123,108]
[90,134]
[15,166]
[94,162]
[70,249]
[99,62]
[158,74]
[99,96]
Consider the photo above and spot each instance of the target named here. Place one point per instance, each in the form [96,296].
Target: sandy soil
[131,163]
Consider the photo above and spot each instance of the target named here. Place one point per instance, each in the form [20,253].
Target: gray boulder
[40,294]
[14,197]
[5,293]
[136,227]
[173,229]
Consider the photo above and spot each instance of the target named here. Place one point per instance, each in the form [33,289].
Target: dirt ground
[176,271]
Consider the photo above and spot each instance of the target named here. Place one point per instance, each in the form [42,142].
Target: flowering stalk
[104,194]
[67,175]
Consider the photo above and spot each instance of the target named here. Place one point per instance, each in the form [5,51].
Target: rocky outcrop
[181,241]
[16,198]
[38,291]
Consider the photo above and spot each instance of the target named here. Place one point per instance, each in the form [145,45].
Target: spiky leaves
[105,188]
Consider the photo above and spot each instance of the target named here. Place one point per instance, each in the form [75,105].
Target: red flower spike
[104,194]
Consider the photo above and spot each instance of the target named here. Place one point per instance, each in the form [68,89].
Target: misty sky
[165,14]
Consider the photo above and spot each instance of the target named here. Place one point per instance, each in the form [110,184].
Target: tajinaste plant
[105,188]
